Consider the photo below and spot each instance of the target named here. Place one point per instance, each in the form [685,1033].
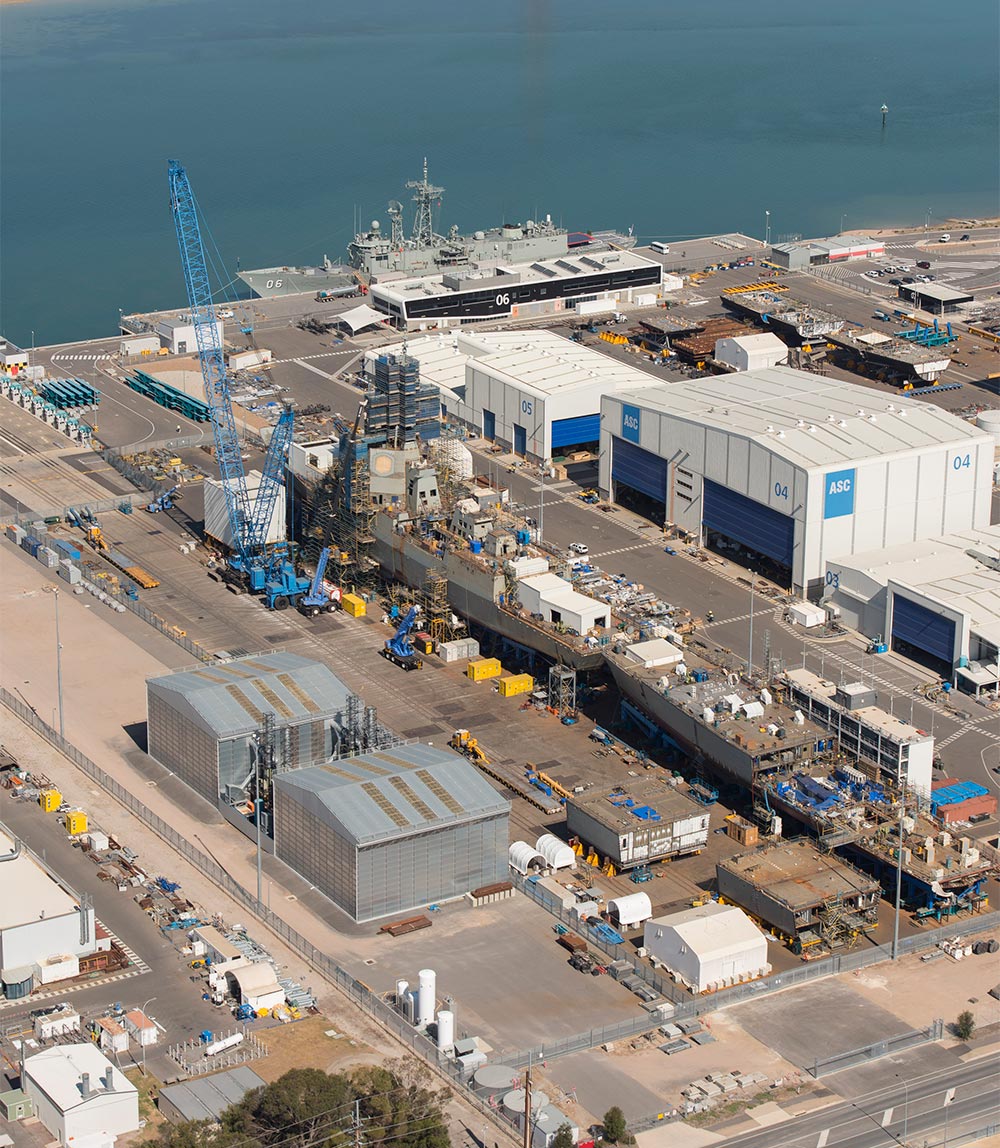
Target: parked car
[224,314]
[579,548]
[963,238]
[895,282]
[945,238]
[923,263]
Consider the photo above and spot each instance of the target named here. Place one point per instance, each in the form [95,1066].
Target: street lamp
[59,689]
[842,219]
[906,1109]
[142,1039]
[767,229]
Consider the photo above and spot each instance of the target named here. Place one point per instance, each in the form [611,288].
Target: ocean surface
[296,119]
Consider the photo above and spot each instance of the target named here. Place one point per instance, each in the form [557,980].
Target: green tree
[294,1110]
[563,1137]
[615,1128]
[198,1134]
[965,1025]
[403,1113]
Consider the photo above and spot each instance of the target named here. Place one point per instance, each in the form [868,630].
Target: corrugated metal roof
[231,698]
[208,1097]
[810,420]
[364,801]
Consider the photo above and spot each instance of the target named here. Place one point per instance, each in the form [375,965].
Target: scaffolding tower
[437,609]
[562,691]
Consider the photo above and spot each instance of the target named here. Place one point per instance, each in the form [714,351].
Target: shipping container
[515,684]
[353,605]
[50,800]
[480,669]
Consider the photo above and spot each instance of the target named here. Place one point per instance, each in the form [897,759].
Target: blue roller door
[520,440]
[489,425]
[571,432]
[751,523]
[923,629]
[640,469]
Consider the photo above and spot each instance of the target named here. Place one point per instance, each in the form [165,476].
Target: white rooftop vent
[812,429]
[872,419]
[801,423]
[781,434]
[842,423]
[861,414]
[902,414]
[770,429]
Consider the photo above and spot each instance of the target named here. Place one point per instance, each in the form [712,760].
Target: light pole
[842,220]
[750,655]
[541,501]
[899,870]
[927,219]
[59,688]
[767,229]
[906,1109]
[142,1040]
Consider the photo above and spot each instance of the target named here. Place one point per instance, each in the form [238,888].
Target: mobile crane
[317,601]
[399,649]
[254,566]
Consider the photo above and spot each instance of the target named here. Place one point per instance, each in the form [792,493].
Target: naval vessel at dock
[376,254]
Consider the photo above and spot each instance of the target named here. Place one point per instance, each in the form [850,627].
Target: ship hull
[272,282]
[474,593]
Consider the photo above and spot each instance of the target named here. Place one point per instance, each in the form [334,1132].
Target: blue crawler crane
[317,601]
[255,565]
[399,649]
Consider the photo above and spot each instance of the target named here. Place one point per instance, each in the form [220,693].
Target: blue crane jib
[400,643]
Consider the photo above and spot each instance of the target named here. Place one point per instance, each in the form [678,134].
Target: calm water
[679,119]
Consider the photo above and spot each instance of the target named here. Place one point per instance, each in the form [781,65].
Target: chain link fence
[377,1008]
[95,506]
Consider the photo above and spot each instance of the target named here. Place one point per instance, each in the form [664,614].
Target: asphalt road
[908,1113]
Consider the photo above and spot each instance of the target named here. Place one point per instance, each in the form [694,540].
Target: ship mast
[424,194]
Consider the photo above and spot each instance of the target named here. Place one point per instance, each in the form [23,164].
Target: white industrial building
[177,335]
[790,469]
[533,392]
[43,928]
[216,524]
[79,1095]
[751,352]
[708,947]
[574,284]
[554,600]
[936,601]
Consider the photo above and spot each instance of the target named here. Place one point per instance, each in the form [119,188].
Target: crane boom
[213,368]
[271,483]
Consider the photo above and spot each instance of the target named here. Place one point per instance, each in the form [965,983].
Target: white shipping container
[247,360]
[217,515]
[806,614]
[596,306]
[56,1024]
[59,968]
[645,300]
[141,344]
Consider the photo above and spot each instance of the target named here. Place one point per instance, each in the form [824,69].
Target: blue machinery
[316,601]
[253,565]
[399,649]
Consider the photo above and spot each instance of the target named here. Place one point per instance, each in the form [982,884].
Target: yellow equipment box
[76,822]
[353,605]
[516,684]
[50,800]
[480,669]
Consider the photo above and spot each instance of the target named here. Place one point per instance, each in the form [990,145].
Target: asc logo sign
[838,495]
[630,423]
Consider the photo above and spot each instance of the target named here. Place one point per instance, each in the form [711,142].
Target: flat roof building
[795,887]
[937,298]
[40,920]
[390,831]
[936,600]
[203,722]
[637,824]
[78,1093]
[792,468]
[521,291]
[534,392]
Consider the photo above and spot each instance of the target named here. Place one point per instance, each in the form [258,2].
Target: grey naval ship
[379,253]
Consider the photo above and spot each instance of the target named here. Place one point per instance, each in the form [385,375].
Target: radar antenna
[424,194]
[395,212]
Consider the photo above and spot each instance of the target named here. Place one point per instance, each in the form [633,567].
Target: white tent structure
[557,854]
[360,317]
[708,947]
[522,857]
[632,909]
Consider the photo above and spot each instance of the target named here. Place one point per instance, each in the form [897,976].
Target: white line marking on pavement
[823,1137]
[887,1118]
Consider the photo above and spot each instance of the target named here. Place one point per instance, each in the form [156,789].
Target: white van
[946,238]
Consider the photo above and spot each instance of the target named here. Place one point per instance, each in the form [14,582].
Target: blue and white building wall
[755,474]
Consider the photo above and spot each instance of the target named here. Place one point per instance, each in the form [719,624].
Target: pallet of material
[410,925]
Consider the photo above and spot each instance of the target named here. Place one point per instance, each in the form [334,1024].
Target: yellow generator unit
[353,605]
[481,669]
[76,822]
[50,800]
[515,684]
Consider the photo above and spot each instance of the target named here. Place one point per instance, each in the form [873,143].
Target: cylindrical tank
[401,991]
[446,1031]
[426,992]
[990,421]
[492,1079]
[513,1102]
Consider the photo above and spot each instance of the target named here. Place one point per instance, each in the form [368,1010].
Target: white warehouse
[790,469]
[708,947]
[80,1096]
[936,601]
[533,392]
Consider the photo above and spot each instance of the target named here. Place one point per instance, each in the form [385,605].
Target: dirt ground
[306,1043]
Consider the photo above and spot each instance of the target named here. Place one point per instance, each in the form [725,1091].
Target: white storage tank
[426,993]
[989,421]
[513,1102]
[402,991]
[446,1030]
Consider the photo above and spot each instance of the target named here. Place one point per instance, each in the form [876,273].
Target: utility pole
[357,1126]
[526,1143]
[59,688]
[767,229]
[750,655]
[899,870]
